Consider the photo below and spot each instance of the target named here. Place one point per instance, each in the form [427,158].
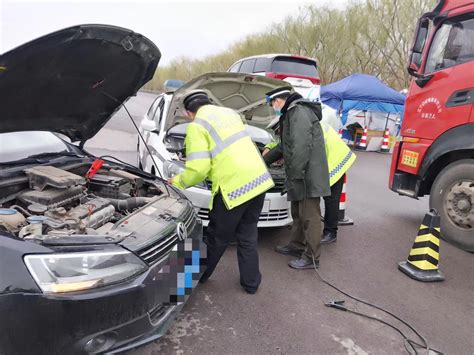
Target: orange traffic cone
[363,140]
[343,220]
[386,138]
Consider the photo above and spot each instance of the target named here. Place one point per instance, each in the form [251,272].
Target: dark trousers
[306,227]
[239,223]
[331,207]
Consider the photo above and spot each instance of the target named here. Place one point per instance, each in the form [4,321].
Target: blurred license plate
[266,206]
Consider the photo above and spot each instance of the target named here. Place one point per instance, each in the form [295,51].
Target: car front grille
[162,247]
[272,215]
[156,313]
[279,186]
[279,178]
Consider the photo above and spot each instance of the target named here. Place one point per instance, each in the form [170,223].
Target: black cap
[195,100]
[286,90]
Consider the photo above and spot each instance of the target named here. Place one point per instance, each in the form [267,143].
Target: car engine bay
[58,202]
[174,143]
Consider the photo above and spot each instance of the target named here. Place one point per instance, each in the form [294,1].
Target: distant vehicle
[172,85]
[436,154]
[164,130]
[301,72]
[93,258]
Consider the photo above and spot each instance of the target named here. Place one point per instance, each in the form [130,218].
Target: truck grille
[162,247]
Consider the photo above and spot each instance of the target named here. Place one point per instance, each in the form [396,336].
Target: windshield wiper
[53,154]
[41,158]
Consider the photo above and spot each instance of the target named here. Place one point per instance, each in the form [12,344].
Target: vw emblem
[181,231]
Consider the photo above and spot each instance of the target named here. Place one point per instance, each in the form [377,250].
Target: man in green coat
[303,149]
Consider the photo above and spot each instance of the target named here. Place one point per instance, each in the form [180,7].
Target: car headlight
[173,168]
[69,272]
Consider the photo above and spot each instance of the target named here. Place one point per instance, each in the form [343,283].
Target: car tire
[452,195]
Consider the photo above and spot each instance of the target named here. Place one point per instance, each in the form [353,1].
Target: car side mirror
[150,126]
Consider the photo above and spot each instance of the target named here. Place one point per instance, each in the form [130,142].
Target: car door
[443,97]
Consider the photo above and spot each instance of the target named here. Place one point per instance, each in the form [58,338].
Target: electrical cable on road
[165,182]
[340,305]
[407,343]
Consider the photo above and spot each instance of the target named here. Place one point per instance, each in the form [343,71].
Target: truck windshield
[453,44]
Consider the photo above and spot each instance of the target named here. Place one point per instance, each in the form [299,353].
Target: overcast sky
[179,28]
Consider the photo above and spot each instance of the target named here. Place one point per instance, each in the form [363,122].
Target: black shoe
[288,250]
[328,238]
[302,264]
[251,291]
[204,278]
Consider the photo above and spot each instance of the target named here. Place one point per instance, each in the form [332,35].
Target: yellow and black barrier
[422,263]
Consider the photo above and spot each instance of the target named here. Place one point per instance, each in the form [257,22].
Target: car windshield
[21,145]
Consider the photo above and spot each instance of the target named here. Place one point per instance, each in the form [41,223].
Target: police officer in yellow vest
[219,149]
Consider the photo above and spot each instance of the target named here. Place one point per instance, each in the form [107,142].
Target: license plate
[266,206]
[410,158]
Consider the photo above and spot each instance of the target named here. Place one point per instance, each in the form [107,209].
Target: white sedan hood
[244,93]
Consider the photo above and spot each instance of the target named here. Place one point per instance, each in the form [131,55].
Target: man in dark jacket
[303,149]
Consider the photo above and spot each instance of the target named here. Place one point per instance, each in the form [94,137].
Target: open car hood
[73,80]
[244,93]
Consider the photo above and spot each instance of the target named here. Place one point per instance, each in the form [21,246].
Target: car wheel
[452,195]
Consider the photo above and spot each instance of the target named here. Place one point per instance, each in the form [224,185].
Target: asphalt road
[288,316]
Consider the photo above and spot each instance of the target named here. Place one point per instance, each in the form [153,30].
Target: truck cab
[436,153]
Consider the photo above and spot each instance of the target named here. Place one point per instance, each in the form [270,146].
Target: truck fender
[455,139]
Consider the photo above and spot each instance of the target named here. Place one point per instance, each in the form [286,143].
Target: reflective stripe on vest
[198,155]
[340,157]
[220,144]
[249,186]
[341,164]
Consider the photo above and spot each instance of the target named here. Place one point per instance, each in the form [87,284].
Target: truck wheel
[452,195]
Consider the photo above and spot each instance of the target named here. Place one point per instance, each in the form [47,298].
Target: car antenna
[142,139]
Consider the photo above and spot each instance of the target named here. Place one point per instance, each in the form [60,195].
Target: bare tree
[371,36]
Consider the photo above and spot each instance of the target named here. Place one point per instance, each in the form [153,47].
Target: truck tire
[452,195]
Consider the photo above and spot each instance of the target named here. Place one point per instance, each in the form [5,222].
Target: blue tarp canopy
[362,92]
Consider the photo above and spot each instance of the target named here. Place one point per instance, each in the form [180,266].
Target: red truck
[436,153]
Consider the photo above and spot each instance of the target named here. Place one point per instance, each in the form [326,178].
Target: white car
[301,72]
[164,128]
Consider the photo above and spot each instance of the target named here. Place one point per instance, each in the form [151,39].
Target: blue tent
[362,92]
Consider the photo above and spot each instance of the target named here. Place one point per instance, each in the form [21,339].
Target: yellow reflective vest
[219,148]
[340,156]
